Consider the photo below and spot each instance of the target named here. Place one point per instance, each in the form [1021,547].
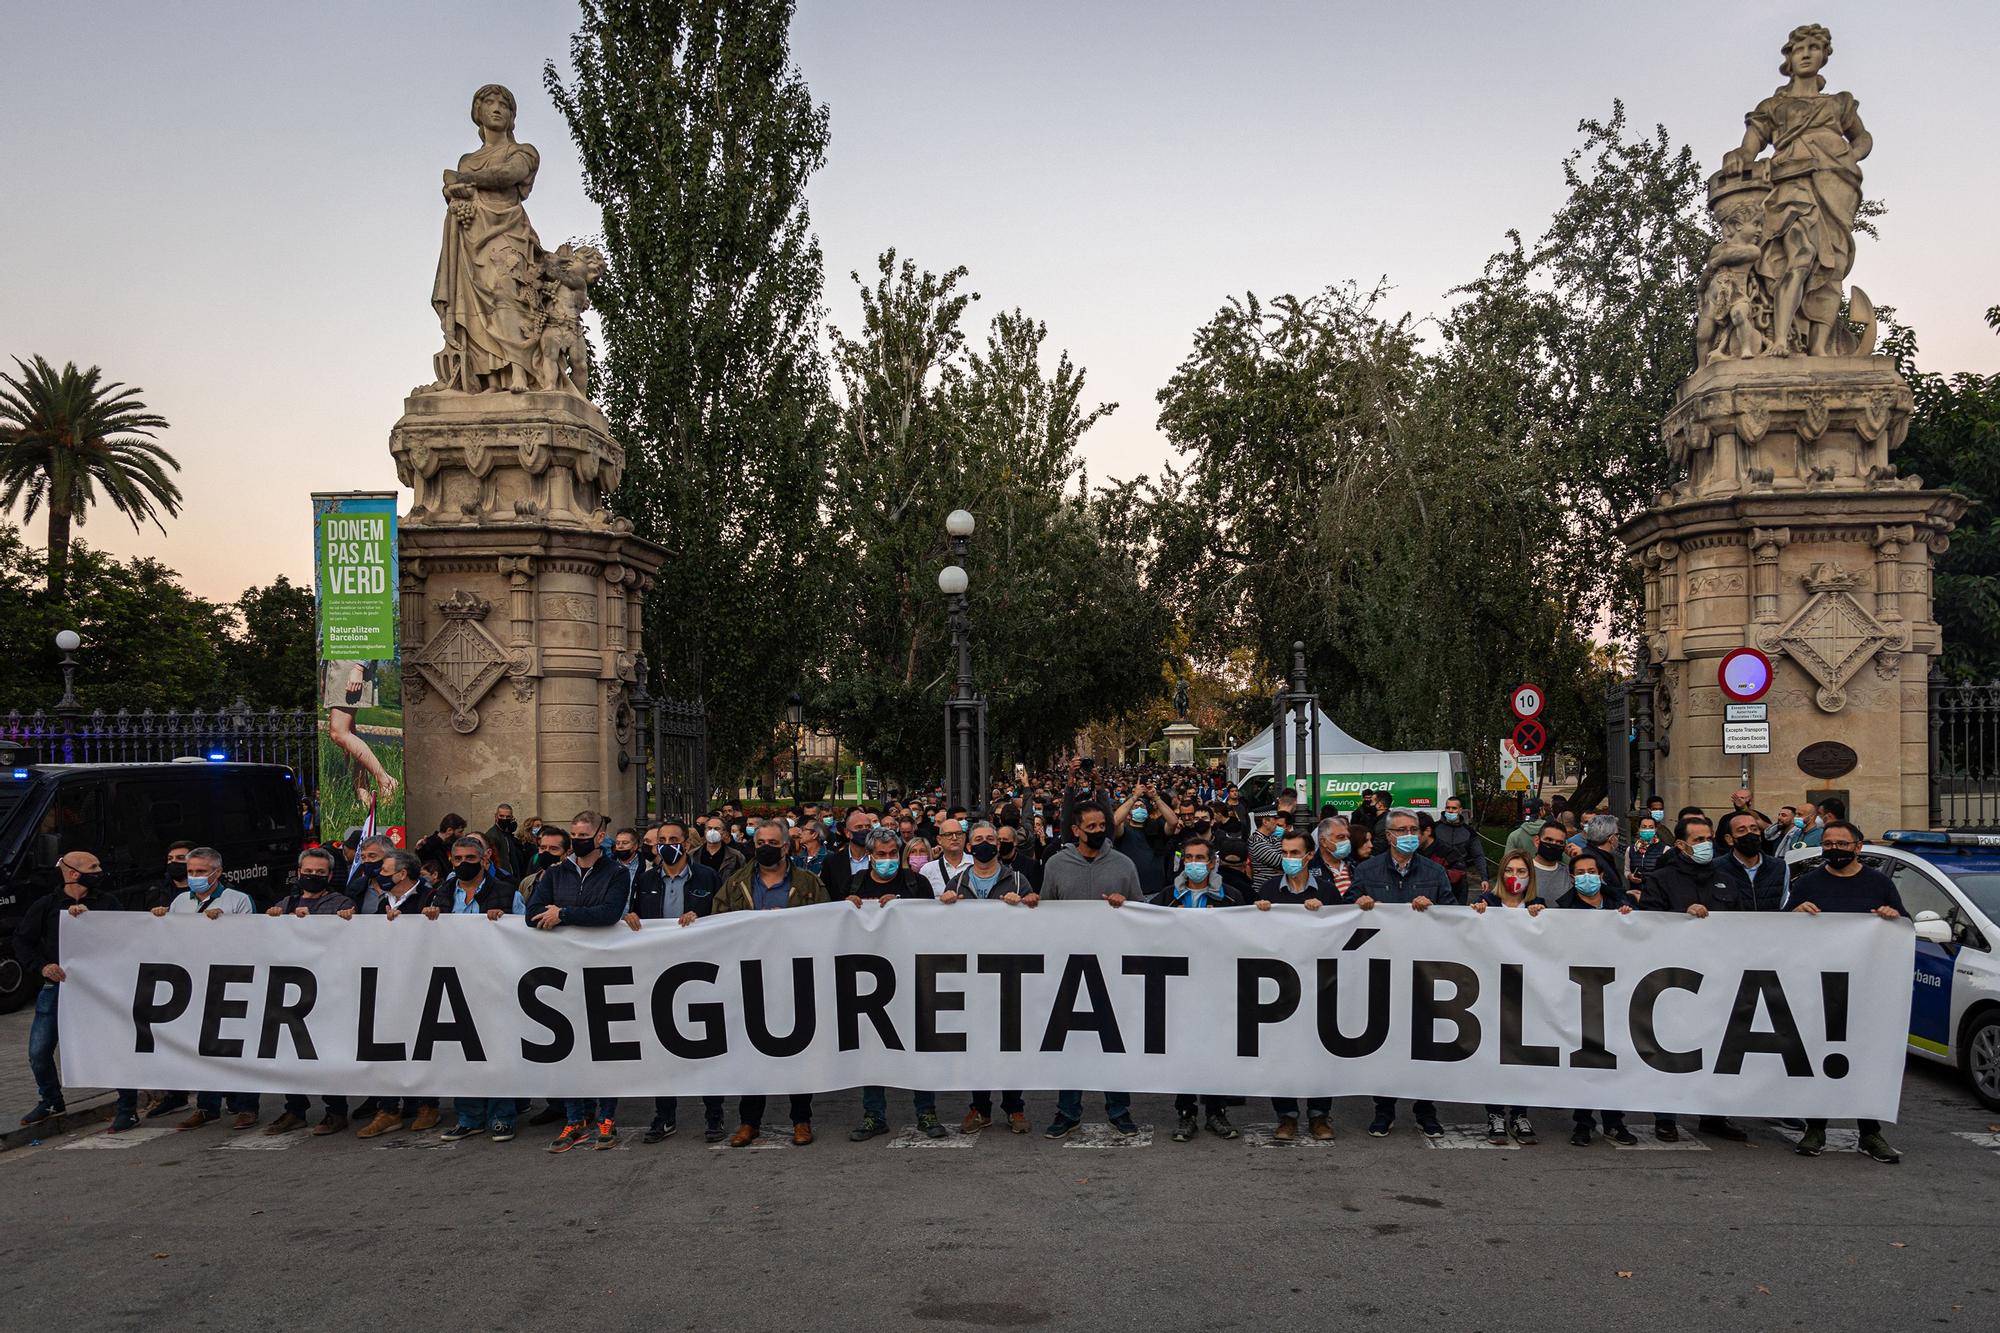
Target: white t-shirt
[231,901]
[937,874]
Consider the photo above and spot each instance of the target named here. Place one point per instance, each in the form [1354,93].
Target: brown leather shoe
[333,1124]
[1287,1130]
[1321,1128]
[1017,1121]
[802,1135]
[244,1120]
[385,1122]
[198,1119]
[744,1136]
[973,1123]
[427,1118]
[285,1124]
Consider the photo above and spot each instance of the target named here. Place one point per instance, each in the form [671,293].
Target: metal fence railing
[242,734]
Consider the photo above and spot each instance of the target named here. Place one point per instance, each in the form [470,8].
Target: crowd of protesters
[1175,838]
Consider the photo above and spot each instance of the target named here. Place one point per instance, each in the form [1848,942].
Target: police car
[1950,883]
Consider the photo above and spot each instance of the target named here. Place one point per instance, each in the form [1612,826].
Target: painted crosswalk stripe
[1260,1136]
[763,1143]
[1648,1142]
[260,1143]
[1991,1141]
[1104,1136]
[912,1137]
[130,1138]
[1468,1136]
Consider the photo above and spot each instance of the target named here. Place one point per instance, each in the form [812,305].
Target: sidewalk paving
[17,1089]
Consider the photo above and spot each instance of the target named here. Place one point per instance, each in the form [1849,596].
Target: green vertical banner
[360,673]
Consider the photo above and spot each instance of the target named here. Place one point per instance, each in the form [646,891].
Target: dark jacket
[37,936]
[594,897]
[1677,884]
[907,884]
[1230,896]
[723,859]
[1275,890]
[837,874]
[495,895]
[1424,878]
[735,894]
[1763,891]
[1010,881]
[328,903]
[1027,865]
[1608,900]
[1459,848]
[1326,887]
[148,894]
[697,896]
[509,853]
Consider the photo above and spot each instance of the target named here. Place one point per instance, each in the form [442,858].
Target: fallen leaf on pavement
[159,1256]
[1898,1245]
[1624,1272]
[1763,1290]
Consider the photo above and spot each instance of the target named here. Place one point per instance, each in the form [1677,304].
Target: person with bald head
[81,886]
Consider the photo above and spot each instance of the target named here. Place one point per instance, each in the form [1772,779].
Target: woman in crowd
[1511,890]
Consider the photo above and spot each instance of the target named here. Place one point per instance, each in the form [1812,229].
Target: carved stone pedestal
[1793,534]
[521,607]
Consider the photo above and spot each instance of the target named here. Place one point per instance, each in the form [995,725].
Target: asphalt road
[212,1230]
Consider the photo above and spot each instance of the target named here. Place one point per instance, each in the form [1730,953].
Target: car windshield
[1983,888]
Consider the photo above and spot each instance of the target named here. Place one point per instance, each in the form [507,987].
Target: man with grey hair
[368,872]
[888,879]
[1400,875]
[209,896]
[397,886]
[313,895]
[1332,870]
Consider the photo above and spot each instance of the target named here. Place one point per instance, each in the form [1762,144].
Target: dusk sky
[235,207]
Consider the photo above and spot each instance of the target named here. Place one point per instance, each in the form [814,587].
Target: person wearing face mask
[1296,883]
[1687,880]
[1291,885]
[1091,869]
[1402,876]
[847,863]
[1549,870]
[716,853]
[1144,826]
[625,855]
[1017,854]
[208,896]
[313,895]
[889,880]
[587,891]
[1757,880]
[988,879]
[1842,883]
[81,886]
[1516,882]
[1787,831]
[1197,888]
[509,853]
[172,879]
[368,873]
[681,889]
[1263,840]
[917,857]
[1457,845]
[1592,890]
[1333,862]
[1642,856]
[1522,839]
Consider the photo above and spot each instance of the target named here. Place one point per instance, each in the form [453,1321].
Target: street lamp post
[68,710]
[795,711]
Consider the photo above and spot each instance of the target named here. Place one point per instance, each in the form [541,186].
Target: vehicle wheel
[1979,1057]
[15,987]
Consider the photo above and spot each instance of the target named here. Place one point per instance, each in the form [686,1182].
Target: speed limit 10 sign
[1527,701]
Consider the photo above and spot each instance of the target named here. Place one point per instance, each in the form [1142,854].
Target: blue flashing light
[20,775]
[217,756]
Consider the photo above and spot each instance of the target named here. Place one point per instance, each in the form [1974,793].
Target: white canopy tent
[1257,750]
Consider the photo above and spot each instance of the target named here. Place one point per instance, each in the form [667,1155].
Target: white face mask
[713,837]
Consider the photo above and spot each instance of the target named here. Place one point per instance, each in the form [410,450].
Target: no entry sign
[1530,737]
[1744,675]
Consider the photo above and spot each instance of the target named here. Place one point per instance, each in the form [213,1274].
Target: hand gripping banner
[1782,1014]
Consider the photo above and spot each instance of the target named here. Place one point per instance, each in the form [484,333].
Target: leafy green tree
[272,657]
[64,435]
[698,136]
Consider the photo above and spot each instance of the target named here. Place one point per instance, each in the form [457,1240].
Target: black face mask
[671,852]
[1552,852]
[769,856]
[369,871]
[625,856]
[985,852]
[93,881]
[177,871]
[543,860]
[1095,841]
[1838,858]
[312,883]
[467,871]
[859,837]
[1007,850]
[504,825]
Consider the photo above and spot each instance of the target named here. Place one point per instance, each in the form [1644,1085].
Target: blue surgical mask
[1196,871]
[886,867]
[1798,821]
[1589,885]
[1408,843]
[1138,814]
[1702,852]
[1292,864]
[198,883]
[1451,816]
[1343,849]
[1647,835]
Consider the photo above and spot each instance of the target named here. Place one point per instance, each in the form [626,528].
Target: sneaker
[1878,1147]
[607,1134]
[1321,1128]
[123,1121]
[1666,1133]
[712,1132]
[167,1105]
[869,1128]
[1017,1122]
[1123,1124]
[427,1118]
[1059,1128]
[1431,1128]
[198,1118]
[458,1132]
[1524,1133]
[42,1111]
[285,1124]
[1580,1136]
[1722,1128]
[1218,1125]
[1811,1143]
[1622,1136]
[1184,1128]
[503,1132]
[657,1132]
[1378,1128]
[330,1124]
[548,1115]
[385,1122]
[974,1122]
[1496,1129]
[1287,1130]
[571,1136]
[928,1126]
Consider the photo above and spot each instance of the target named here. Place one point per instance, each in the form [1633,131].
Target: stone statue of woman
[490,267]
[1817,142]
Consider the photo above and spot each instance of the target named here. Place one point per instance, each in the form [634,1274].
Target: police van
[126,814]
[1950,883]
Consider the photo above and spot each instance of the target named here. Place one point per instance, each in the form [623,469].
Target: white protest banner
[1778,1014]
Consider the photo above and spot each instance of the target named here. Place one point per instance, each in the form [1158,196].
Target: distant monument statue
[1792,531]
[522,594]
[1180,697]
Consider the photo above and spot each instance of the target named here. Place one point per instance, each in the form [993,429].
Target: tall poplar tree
[698,136]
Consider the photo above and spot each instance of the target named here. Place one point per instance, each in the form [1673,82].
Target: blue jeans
[875,1102]
[1317,1107]
[1069,1105]
[239,1102]
[42,1055]
[298,1105]
[586,1110]
[483,1112]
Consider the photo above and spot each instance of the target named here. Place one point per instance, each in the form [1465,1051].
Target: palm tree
[62,436]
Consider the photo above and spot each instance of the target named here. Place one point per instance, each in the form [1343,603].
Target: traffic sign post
[1528,701]
[1530,737]
[1745,677]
